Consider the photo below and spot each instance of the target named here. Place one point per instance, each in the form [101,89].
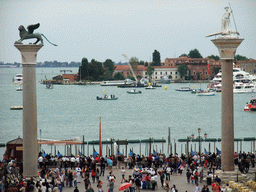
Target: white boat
[244,87]
[239,76]
[116,83]
[206,92]
[19,89]
[184,89]
[18,79]
[150,87]
[16,107]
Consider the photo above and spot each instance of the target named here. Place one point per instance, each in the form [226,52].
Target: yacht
[239,76]
[244,87]
[18,79]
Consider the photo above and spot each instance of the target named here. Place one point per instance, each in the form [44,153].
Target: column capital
[28,53]
[227,47]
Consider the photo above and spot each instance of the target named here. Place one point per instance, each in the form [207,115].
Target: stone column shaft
[29,54]
[227,48]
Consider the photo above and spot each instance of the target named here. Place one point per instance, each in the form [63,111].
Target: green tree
[119,76]
[141,63]
[83,69]
[240,58]
[156,58]
[96,70]
[195,54]
[134,62]
[182,69]
[215,57]
[183,55]
[150,71]
[146,64]
[109,65]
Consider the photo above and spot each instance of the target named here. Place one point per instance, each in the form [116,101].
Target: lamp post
[199,131]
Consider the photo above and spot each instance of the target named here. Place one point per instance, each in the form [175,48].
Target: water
[69,111]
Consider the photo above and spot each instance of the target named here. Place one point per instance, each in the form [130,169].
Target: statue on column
[225,24]
[24,34]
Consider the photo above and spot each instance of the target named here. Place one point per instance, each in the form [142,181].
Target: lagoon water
[69,111]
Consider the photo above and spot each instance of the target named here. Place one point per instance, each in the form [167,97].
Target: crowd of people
[149,172]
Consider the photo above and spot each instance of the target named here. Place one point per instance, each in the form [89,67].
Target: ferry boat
[18,79]
[117,83]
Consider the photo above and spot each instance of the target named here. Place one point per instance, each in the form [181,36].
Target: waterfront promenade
[179,180]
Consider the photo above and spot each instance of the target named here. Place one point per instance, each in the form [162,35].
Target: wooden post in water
[254,146]
[181,149]
[126,145]
[55,150]
[51,149]
[241,149]
[162,145]
[87,148]
[140,148]
[83,146]
[209,147]
[175,147]
[214,147]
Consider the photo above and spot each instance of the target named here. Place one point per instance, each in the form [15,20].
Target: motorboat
[239,76]
[206,92]
[106,97]
[16,107]
[150,87]
[244,87]
[194,91]
[184,89]
[19,89]
[117,83]
[18,79]
[133,91]
[250,106]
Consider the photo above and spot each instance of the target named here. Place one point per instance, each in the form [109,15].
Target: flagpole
[100,139]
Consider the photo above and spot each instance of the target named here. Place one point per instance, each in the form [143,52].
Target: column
[29,56]
[227,48]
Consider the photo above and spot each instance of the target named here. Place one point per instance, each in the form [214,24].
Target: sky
[106,29]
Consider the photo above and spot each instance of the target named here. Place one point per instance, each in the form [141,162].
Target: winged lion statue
[24,34]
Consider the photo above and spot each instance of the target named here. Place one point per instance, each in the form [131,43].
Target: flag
[218,151]
[131,153]
[59,154]
[44,154]
[94,153]
[208,66]
[154,152]
[80,153]
[206,152]
[193,153]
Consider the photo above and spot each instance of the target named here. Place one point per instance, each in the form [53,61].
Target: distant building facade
[248,66]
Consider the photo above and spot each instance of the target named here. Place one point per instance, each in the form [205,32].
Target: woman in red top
[93,175]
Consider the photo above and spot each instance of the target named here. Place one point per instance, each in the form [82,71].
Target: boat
[106,97]
[184,89]
[19,89]
[250,106]
[244,87]
[49,85]
[117,83]
[206,92]
[194,91]
[18,79]
[133,91]
[16,107]
[239,76]
[149,87]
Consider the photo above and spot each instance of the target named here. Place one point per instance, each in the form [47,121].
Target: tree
[183,55]
[109,65]
[83,69]
[146,64]
[195,54]
[215,57]
[141,63]
[150,70]
[134,62]
[156,58]
[182,69]
[240,58]
[119,76]
[95,70]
